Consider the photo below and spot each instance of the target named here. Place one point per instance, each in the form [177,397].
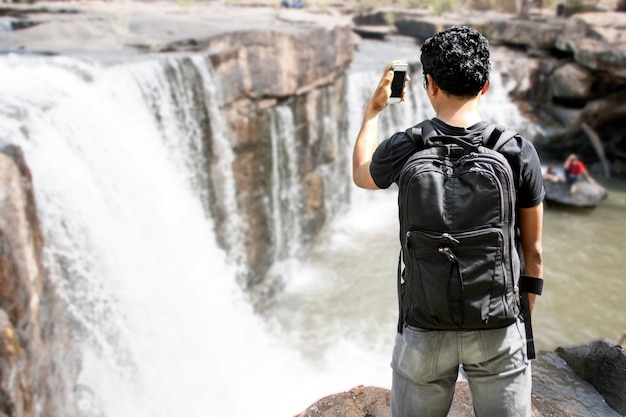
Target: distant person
[574,168]
[552,176]
[294,4]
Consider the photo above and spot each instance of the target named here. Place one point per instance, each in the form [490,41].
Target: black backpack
[457,229]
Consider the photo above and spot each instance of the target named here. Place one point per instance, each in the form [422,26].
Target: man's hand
[367,141]
[380,98]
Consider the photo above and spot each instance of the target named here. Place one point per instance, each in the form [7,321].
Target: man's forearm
[534,268]
[364,148]
[531,222]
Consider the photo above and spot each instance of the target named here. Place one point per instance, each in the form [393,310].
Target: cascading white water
[287,190]
[160,325]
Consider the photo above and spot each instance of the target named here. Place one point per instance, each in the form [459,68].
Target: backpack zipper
[506,169]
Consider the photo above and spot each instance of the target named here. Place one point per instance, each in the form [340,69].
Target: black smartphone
[397,84]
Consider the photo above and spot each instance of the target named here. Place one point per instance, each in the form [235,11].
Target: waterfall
[118,163]
[290,149]
[185,102]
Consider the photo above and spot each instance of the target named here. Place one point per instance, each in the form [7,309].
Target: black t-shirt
[391,155]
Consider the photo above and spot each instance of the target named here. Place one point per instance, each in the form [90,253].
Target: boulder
[421,27]
[597,41]
[358,402]
[572,82]
[530,33]
[603,365]
[374,402]
[586,194]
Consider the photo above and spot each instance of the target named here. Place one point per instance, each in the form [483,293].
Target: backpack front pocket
[460,275]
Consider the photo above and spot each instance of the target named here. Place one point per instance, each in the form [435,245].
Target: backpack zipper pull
[446,251]
[450,238]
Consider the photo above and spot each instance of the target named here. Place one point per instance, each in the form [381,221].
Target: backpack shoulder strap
[421,133]
[495,136]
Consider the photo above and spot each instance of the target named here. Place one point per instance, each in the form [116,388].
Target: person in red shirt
[574,168]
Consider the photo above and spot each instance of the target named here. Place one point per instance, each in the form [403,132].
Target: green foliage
[367,4]
[189,3]
[186,3]
[484,4]
[438,7]
[420,3]
[390,18]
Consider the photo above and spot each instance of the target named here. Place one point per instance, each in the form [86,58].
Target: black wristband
[530,284]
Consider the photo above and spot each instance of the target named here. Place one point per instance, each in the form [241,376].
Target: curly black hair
[458,60]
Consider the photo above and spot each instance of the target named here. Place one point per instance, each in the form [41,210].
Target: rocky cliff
[263,69]
[36,361]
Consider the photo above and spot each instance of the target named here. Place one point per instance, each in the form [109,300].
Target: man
[426,362]
[574,168]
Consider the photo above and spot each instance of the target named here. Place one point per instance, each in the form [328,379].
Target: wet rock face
[32,319]
[14,372]
[305,72]
[20,285]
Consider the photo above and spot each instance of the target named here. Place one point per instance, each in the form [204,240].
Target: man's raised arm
[367,140]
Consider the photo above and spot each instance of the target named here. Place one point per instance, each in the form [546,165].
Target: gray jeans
[426,365]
